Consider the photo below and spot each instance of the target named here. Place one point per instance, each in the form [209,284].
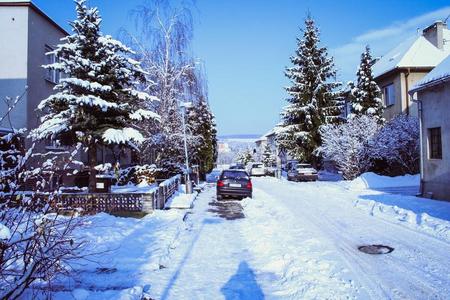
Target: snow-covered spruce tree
[313,100]
[245,157]
[96,102]
[201,124]
[347,144]
[268,158]
[366,95]
[398,146]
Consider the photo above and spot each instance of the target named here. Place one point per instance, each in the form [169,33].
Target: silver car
[302,172]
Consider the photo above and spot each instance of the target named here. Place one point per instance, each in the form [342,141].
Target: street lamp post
[186,105]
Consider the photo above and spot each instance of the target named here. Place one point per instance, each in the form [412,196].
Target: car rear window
[234,175]
[303,166]
[257,165]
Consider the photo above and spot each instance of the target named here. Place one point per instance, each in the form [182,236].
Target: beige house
[433,95]
[399,70]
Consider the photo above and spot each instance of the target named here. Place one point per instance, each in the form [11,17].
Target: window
[389,95]
[50,58]
[435,143]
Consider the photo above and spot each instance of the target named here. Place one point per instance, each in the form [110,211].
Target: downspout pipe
[407,90]
[420,111]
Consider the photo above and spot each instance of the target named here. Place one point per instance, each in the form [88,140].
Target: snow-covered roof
[265,136]
[440,73]
[415,52]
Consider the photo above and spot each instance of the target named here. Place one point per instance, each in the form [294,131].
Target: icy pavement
[292,241]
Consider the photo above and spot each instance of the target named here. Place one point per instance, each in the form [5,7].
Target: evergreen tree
[245,157]
[95,103]
[313,100]
[201,124]
[366,95]
[268,158]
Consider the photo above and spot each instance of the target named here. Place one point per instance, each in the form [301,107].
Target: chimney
[435,34]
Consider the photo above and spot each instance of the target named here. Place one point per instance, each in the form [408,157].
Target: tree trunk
[92,154]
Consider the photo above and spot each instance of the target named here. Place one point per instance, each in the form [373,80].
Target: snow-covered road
[292,241]
[300,241]
[417,269]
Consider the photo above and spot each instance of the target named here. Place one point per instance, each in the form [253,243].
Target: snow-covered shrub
[347,145]
[36,242]
[11,153]
[138,174]
[397,144]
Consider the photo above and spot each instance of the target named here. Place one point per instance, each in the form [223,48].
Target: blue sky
[245,44]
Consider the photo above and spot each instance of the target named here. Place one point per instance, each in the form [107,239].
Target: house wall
[13,63]
[392,110]
[436,109]
[41,33]
[402,83]
[414,77]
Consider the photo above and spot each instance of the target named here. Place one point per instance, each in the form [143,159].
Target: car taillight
[249,185]
[220,183]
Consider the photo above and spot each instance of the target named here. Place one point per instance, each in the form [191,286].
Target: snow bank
[373,181]
[142,188]
[124,255]
[415,214]
[181,200]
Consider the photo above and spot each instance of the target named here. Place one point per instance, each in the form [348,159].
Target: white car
[256,169]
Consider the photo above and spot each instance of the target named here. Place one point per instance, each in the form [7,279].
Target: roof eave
[430,84]
[403,69]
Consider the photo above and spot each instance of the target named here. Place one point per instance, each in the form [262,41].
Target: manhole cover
[375,249]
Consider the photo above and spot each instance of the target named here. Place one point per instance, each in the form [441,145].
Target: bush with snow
[398,145]
[138,174]
[36,242]
[347,145]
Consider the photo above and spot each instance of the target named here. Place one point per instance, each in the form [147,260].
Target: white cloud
[381,41]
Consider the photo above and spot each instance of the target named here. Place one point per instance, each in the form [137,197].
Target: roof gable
[415,52]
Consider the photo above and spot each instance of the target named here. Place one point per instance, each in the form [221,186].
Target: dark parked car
[302,172]
[234,183]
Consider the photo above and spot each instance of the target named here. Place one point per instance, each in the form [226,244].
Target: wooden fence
[122,202]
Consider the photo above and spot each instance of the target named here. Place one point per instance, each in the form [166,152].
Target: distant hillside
[239,137]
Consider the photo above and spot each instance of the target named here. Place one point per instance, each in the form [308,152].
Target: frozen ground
[292,241]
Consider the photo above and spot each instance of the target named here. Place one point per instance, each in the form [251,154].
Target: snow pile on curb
[419,221]
[181,200]
[373,181]
[124,254]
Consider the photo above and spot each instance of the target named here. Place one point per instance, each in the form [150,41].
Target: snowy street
[292,241]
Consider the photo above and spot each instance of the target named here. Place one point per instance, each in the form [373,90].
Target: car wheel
[219,197]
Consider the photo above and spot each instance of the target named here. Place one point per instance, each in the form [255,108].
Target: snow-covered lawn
[292,241]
